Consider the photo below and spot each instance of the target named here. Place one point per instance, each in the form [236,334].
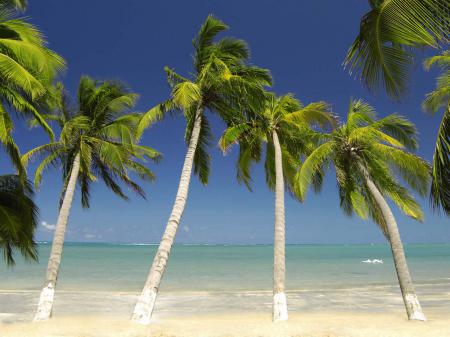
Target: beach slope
[338,324]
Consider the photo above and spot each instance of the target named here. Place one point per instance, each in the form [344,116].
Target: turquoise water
[106,279]
[111,267]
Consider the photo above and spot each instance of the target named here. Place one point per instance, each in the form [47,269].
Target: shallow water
[111,267]
[106,278]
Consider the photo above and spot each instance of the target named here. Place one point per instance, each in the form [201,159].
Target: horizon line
[242,244]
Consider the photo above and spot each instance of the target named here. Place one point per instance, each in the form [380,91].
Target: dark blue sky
[303,43]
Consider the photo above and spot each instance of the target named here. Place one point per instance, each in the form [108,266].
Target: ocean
[108,277]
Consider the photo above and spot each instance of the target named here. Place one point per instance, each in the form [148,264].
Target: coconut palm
[221,78]
[436,100]
[18,218]
[383,51]
[368,155]
[285,125]
[97,141]
[27,69]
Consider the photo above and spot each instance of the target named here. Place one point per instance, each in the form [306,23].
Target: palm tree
[221,78]
[97,141]
[440,99]
[367,154]
[27,69]
[383,51]
[284,124]
[18,218]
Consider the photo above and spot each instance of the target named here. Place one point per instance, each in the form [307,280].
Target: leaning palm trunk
[146,302]
[45,306]
[412,305]
[280,312]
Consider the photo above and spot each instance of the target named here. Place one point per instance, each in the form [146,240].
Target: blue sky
[303,43]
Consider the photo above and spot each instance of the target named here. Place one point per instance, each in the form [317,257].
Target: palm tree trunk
[280,312]
[412,305]
[146,301]
[45,305]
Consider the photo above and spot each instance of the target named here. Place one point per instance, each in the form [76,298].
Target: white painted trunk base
[280,312]
[144,307]
[45,305]
[413,303]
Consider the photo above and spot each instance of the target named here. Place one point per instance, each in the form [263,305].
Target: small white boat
[374,261]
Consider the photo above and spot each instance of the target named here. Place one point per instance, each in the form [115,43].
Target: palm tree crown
[222,78]
[365,145]
[27,69]
[103,136]
[294,124]
[383,51]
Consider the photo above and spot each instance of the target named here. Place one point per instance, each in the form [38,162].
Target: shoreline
[19,305]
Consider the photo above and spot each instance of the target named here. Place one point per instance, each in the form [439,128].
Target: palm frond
[202,43]
[17,75]
[152,116]
[314,114]
[174,78]
[310,167]
[186,94]
[7,142]
[414,170]
[359,204]
[440,187]
[437,99]
[202,159]
[232,135]
[382,52]
[18,219]
[269,166]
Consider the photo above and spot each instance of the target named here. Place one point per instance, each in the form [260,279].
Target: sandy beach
[339,313]
[333,324]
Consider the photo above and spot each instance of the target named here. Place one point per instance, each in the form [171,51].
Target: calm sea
[108,277]
[114,267]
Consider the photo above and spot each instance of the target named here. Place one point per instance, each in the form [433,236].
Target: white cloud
[186,229]
[48,226]
[89,236]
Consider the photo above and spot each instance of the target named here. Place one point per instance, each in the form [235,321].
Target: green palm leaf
[436,100]
[366,147]
[309,168]
[382,52]
[18,218]
[104,136]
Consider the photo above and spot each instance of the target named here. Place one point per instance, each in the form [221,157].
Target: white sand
[338,324]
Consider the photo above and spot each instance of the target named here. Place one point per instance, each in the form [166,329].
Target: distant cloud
[89,236]
[48,226]
[186,229]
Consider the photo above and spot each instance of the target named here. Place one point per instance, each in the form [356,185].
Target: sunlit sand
[348,324]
